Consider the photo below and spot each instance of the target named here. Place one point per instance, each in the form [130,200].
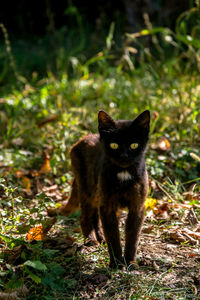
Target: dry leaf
[184,235]
[155,115]
[163,144]
[46,167]
[192,255]
[161,211]
[161,208]
[190,195]
[50,188]
[148,229]
[156,267]
[26,183]
[163,216]
[193,234]
[21,173]
[177,236]
[189,238]
[36,233]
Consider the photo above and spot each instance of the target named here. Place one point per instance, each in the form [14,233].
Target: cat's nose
[124,155]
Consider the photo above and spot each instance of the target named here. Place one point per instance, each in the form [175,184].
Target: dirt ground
[168,268]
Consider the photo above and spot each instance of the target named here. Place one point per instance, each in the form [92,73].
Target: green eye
[114,145]
[134,145]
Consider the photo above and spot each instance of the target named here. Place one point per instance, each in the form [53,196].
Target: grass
[41,117]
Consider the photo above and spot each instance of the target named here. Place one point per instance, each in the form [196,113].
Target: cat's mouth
[122,164]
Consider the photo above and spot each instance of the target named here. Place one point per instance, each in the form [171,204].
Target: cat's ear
[143,120]
[106,123]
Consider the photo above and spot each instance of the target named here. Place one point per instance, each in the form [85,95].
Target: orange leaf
[26,183]
[21,173]
[46,167]
[148,229]
[192,254]
[163,144]
[36,233]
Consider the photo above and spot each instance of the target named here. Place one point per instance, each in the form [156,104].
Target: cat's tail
[70,207]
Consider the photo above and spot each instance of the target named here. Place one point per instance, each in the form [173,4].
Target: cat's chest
[117,179]
[124,176]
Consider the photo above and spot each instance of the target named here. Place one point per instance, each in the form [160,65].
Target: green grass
[164,79]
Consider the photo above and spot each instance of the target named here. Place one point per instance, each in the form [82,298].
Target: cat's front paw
[132,265]
[117,263]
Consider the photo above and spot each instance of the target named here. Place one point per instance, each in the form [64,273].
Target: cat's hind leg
[97,227]
[87,227]
[90,223]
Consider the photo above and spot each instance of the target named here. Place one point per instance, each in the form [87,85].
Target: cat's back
[88,150]
[87,144]
[86,156]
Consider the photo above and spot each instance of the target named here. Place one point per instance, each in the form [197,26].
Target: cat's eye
[134,146]
[114,146]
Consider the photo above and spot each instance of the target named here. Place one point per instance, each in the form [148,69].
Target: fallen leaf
[163,216]
[50,188]
[191,233]
[190,195]
[156,267]
[148,229]
[36,233]
[163,144]
[189,238]
[192,255]
[26,183]
[46,167]
[161,208]
[184,235]
[177,237]
[22,173]
[155,115]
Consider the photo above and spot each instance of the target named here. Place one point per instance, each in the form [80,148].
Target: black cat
[110,173]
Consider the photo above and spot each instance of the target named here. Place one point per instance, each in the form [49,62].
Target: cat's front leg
[133,228]
[111,231]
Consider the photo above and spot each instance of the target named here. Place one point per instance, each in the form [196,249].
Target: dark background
[42,36]
[24,18]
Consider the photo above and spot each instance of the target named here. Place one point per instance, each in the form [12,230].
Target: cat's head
[124,141]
